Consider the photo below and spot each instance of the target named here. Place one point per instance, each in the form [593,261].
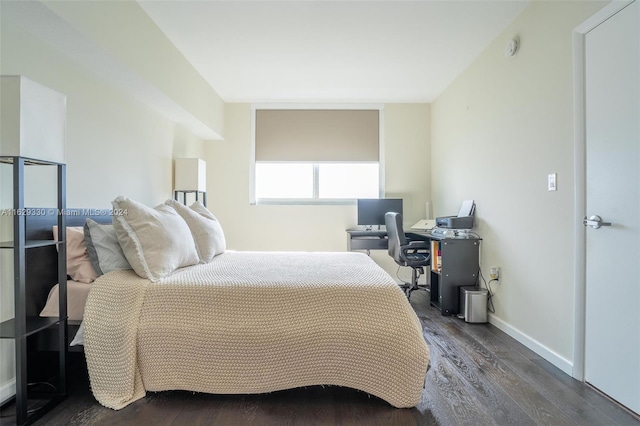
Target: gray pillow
[103,247]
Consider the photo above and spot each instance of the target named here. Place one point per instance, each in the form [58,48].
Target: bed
[246,322]
[42,274]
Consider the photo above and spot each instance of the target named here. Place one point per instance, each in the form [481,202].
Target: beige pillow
[155,241]
[79,266]
[205,228]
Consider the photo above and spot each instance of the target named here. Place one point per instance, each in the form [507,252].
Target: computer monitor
[371,211]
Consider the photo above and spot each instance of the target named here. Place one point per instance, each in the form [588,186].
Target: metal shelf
[34,325]
[30,244]
[25,412]
[28,161]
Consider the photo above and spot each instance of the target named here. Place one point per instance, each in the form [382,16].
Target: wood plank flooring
[478,376]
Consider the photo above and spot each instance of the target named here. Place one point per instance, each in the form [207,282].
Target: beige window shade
[317,135]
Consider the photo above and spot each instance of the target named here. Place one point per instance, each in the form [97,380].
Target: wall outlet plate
[494,273]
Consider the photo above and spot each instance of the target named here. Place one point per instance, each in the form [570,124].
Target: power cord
[490,307]
[46,384]
[422,286]
[32,410]
[473,234]
[398,276]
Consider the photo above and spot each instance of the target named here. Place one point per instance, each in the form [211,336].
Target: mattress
[255,322]
[77,293]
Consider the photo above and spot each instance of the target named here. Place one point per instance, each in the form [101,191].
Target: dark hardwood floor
[478,376]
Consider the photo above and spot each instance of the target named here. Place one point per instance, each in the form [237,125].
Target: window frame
[315,200]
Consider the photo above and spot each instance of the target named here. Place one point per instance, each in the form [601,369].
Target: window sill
[304,202]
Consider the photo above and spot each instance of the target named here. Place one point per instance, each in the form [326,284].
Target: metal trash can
[473,304]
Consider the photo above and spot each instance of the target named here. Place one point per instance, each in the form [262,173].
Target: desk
[359,239]
[457,265]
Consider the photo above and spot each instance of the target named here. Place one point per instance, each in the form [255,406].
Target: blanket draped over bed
[254,322]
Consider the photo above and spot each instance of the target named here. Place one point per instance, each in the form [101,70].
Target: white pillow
[155,241]
[205,228]
[78,340]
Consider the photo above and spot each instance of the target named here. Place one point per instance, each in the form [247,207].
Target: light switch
[552,182]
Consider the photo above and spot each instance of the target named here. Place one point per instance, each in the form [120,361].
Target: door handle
[595,222]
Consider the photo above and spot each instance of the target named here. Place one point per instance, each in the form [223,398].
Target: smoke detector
[512,48]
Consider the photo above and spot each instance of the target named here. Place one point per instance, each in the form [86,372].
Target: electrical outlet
[494,273]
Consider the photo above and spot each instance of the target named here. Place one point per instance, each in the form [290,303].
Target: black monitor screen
[371,211]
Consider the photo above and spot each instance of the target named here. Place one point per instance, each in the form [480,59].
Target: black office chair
[414,254]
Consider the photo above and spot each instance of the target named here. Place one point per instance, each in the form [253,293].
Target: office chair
[414,254]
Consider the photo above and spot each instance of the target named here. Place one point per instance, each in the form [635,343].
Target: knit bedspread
[255,322]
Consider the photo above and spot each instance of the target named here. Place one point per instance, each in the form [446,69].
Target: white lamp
[32,120]
[190,175]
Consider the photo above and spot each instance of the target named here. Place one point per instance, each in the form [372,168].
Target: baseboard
[562,363]
[8,390]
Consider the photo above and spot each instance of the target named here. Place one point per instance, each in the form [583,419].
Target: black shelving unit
[32,400]
[455,263]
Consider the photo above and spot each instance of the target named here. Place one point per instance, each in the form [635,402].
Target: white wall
[313,227]
[497,132]
[131,39]
[115,146]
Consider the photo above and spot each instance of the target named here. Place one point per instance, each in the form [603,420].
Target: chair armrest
[418,244]
[415,249]
[406,251]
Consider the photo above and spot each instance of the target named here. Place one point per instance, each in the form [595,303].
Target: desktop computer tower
[473,304]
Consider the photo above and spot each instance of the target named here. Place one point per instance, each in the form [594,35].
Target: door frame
[580,179]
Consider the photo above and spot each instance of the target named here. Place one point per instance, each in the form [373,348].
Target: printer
[454,222]
[464,219]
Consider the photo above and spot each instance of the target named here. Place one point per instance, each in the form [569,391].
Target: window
[348,180]
[319,155]
[316,181]
[284,180]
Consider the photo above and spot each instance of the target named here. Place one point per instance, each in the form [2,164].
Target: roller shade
[317,135]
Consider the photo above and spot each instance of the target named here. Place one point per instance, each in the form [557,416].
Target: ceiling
[331,51]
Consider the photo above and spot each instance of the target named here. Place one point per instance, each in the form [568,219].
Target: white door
[612,338]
